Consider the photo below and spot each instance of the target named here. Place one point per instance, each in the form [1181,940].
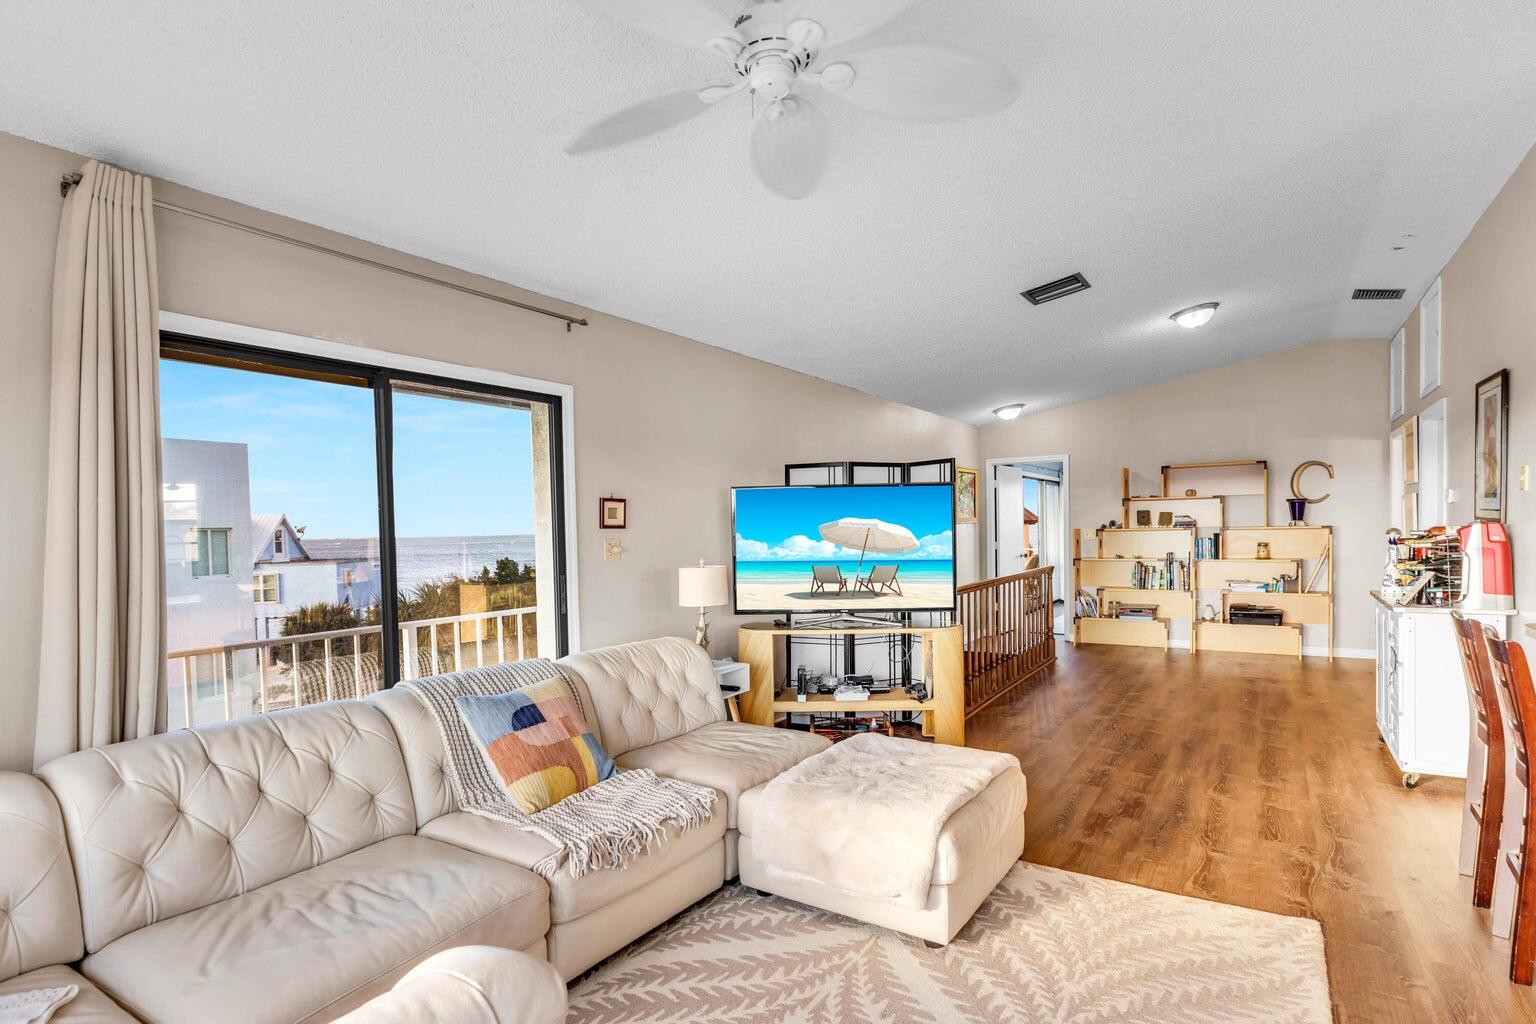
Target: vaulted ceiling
[1268,156]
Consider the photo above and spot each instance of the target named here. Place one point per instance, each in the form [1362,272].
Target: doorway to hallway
[1027,520]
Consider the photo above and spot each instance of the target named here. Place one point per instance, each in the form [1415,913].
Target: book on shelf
[1208,547]
[1138,612]
[1169,574]
[1251,586]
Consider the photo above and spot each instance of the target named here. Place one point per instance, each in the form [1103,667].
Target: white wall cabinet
[1421,696]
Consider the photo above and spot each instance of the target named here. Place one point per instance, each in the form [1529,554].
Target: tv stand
[943,668]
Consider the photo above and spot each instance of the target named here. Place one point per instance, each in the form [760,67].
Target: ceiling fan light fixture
[1009,412]
[1195,316]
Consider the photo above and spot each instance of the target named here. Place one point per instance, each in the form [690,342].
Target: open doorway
[1027,520]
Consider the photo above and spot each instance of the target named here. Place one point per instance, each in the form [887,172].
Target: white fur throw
[864,816]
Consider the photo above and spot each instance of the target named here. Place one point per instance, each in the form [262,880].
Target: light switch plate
[612,549]
[1525,478]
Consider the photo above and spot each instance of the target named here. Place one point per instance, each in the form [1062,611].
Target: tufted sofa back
[654,688]
[39,911]
[167,824]
[422,746]
[649,691]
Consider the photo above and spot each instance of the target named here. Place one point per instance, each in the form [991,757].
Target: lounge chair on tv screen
[881,580]
[827,577]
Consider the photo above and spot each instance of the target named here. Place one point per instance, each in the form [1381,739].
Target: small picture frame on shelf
[1143,517]
[612,513]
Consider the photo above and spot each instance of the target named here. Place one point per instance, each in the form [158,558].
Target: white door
[1008,522]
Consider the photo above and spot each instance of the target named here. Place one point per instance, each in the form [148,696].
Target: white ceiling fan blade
[790,153]
[638,121]
[847,20]
[689,22]
[928,82]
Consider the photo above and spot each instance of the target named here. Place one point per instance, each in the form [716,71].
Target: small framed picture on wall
[965,494]
[1491,435]
[612,513]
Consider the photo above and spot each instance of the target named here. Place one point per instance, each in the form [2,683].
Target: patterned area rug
[1047,945]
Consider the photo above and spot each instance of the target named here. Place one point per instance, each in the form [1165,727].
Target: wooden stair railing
[1007,625]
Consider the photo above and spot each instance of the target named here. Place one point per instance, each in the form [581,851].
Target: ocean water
[422,559]
[918,570]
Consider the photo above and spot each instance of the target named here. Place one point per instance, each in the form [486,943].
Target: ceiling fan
[775,48]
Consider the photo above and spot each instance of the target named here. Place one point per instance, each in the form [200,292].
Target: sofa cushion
[649,691]
[167,824]
[535,743]
[319,943]
[39,911]
[732,757]
[571,898]
[968,836]
[90,1005]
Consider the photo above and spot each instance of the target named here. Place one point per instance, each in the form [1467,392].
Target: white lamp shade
[703,586]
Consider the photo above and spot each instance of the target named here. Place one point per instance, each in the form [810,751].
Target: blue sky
[461,468]
[783,522]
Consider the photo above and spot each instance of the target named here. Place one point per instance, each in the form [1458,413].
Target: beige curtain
[103,635]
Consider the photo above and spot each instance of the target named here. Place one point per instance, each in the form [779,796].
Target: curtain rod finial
[68,182]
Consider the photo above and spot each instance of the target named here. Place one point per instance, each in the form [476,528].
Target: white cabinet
[1421,696]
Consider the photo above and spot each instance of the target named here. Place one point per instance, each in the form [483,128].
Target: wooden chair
[1514,891]
[827,577]
[1483,808]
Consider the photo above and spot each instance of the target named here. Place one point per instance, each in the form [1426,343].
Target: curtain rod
[69,181]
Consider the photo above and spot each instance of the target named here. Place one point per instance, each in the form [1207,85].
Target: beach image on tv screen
[806,549]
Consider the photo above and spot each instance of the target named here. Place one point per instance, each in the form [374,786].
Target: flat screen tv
[869,547]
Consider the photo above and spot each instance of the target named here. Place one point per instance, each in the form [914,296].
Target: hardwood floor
[1260,782]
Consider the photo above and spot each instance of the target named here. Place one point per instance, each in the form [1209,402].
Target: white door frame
[991,505]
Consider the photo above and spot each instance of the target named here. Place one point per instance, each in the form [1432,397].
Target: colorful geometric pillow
[536,743]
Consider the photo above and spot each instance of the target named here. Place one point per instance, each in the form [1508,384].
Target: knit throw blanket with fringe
[607,825]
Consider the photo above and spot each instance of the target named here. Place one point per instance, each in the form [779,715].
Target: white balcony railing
[256,676]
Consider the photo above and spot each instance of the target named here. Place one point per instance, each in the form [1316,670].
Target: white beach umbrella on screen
[869,535]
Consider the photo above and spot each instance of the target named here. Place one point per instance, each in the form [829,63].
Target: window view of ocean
[423,559]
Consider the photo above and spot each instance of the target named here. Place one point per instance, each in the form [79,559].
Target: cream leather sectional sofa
[311,865]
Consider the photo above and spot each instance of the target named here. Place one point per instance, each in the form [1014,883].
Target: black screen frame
[954,562]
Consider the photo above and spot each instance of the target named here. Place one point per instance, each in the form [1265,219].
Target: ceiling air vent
[1378,293]
[1069,285]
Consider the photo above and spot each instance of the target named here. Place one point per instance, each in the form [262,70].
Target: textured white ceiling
[1268,155]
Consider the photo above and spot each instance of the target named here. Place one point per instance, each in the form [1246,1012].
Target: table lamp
[703,586]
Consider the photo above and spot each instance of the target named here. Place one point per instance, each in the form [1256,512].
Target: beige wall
[1488,323]
[1321,401]
[667,423]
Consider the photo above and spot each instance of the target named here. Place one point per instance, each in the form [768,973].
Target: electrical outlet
[612,550]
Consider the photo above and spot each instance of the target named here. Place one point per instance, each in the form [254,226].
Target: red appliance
[1490,576]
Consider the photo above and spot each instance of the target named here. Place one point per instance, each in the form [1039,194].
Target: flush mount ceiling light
[1009,412]
[1195,316]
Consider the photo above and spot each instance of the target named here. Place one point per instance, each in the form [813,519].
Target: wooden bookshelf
[1208,513]
[1302,552]
[1218,573]
[1124,632]
[1243,638]
[1109,575]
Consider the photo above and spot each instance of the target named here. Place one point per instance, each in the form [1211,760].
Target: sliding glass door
[332,528]
[470,571]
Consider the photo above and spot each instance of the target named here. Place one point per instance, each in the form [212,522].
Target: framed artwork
[612,513]
[1491,435]
[965,494]
[1411,450]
